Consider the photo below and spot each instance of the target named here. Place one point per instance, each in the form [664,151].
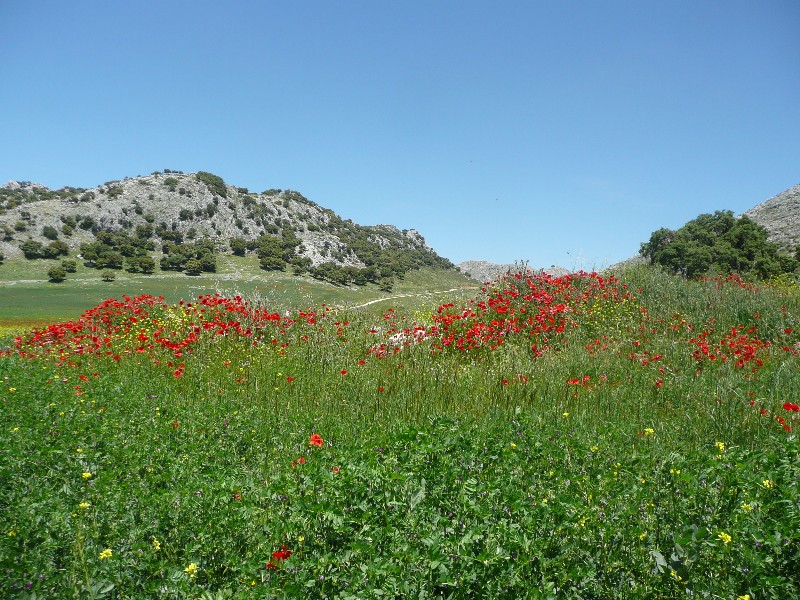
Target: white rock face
[780,215]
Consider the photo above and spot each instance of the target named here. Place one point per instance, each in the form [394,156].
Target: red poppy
[316,440]
[290,379]
[278,557]
[335,470]
[344,372]
[178,373]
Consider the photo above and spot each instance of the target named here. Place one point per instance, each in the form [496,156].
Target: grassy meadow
[587,436]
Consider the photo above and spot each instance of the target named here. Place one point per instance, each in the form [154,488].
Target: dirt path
[411,296]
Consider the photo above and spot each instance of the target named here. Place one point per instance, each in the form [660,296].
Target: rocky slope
[197,205]
[780,215]
[484,271]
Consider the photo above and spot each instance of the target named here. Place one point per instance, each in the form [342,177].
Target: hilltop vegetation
[718,243]
[183,221]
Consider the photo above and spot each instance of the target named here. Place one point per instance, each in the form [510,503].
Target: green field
[577,437]
[28,299]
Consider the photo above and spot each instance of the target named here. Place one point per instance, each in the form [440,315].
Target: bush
[50,232]
[57,274]
[238,246]
[214,183]
[108,275]
[70,266]
[193,267]
[32,249]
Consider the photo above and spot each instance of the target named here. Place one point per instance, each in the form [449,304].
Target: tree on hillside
[717,242]
[57,274]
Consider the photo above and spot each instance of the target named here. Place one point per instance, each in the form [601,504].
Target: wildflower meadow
[627,435]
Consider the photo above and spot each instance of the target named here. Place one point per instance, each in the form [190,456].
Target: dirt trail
[411,295]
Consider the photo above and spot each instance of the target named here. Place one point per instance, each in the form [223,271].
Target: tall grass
[577,437]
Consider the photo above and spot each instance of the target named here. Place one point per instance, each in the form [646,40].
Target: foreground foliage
[580,436]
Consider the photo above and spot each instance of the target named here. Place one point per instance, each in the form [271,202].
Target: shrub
[57,274]
[70,266]
[193,267]
[108,275]
[50,232]
[32,249]
[214,183]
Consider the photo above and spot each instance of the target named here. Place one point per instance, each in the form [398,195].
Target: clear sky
[559,132]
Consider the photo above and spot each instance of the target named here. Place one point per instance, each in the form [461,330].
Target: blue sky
[559,132]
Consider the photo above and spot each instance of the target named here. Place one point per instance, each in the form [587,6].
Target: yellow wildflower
[86,475]
[745,597]
[191,570]
[746,507]
[720,446]
[767,484]
[649,431]
[726,539]
[566,414]
[105,554]
[84,505]
[156,545]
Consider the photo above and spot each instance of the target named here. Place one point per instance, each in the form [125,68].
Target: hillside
[162,211]
[780,215]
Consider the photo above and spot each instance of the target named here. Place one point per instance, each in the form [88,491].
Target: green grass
[30,300]
[614,462]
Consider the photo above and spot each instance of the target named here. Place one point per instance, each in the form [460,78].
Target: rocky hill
[484,271]
[182,207]
[780,216]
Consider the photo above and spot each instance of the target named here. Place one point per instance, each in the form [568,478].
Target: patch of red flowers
[316,440]
[278,557]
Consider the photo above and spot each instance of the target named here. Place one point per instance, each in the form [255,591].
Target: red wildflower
[178,373]
[335,470]
[175,424]
[344,372]
[792,407]
[316,440]
[290,379]
[278,557]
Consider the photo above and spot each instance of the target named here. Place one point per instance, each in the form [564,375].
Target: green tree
[50,232]
[193,267]
[108,275]
[214,183]
[70,266]
[32,249]
[717,242]
[147,264]
[57,274]
[238,246]
[56,249]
